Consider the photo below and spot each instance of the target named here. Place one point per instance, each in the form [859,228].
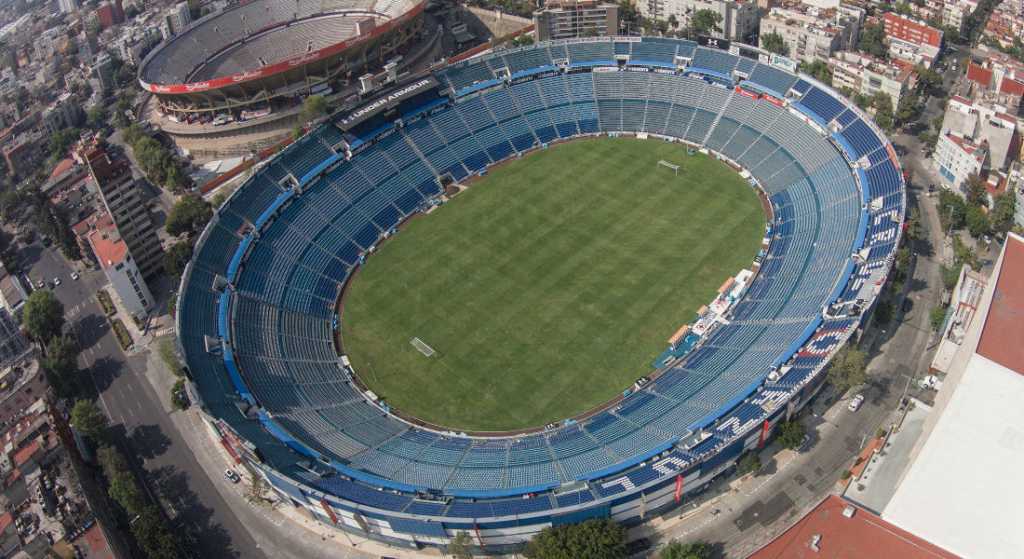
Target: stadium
[276,314]
[260,58]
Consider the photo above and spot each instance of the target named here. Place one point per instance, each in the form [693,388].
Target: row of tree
[593,539]
[148,526]
[186,220]
[976,211]
[159,164]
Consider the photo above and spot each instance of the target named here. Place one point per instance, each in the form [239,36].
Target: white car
[231,476]
[74,276]
[856,401]
[56,281]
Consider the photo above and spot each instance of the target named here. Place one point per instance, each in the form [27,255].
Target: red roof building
[837,529]
[998,339]
[912,40]
[979,75]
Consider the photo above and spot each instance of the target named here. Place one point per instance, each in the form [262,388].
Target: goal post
[672,166]
[422,347]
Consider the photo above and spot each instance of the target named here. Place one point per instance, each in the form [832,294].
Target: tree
[748,463]
[872,38]
[153,535]
[704,22]
[883,110]
[691,550]
[848,368]
[61,365]
[314,107]
[61,140]
[937,317]
[1003,209]
[977,222]
[818,70]
[593,539]
[773,42]
[88,420]
[177,257]
[121,485]
[96,118]
[975,191]
[952,210]
[909,109]
[43,316]
[459,546]
[189,215]
[929,79]
[915,230]
[673,21]
[791,434]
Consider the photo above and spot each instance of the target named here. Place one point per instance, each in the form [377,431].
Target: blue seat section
[591,53]
[276,320]
[861,138]
[822,104]
[654,50]
[772,80]
[720,62]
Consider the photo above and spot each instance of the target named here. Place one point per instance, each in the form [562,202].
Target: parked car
[805,443]
[856,402]
[74,276]
[231,476]
[56,281]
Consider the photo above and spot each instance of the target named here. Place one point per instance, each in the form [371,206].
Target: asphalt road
[140,425]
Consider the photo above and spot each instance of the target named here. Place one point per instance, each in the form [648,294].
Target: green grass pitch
[550,285]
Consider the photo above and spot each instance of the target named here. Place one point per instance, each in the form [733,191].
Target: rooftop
[1002,332]
[839,529]
[106,242]
[962,489]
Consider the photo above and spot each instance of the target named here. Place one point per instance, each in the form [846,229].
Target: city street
[141,426]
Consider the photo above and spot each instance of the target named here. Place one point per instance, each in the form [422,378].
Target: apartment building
[739,19]
[565,20]
[116,260]
[122,199]
[867,75]
[957,158]
[912,40]
[811,33]
[984,124]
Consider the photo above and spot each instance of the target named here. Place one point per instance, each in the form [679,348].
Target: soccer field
[550,285]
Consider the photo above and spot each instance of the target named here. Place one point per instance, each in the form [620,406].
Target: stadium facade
[257,312]
[254,52]
[233,82]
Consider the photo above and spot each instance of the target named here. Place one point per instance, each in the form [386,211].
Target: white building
[739,19]
[175,19]
[981,123]
[957,158]
[811,33]
[867,75]
[112,254]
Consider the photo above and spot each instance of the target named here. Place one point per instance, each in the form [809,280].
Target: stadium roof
[837,528]
[962,491]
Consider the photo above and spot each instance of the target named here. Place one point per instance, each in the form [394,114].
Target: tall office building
[121,197]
